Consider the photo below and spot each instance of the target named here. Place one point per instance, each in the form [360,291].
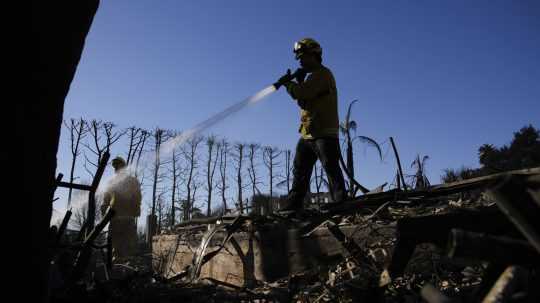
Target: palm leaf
[352,125]
[371,142]
[348,116]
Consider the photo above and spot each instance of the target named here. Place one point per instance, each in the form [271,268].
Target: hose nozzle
[299,74]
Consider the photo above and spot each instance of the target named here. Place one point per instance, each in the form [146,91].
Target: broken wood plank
[85,254]
[91,217]
[518,198]
[74,185]
[507,284]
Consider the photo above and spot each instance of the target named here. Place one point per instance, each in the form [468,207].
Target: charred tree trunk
[223,172]
[144,135]
[77,132]
[211,163]
[134,135]
[288,168]
[239,157]
[175,176]
[270,155]
[59,29]
[252,172]
[158,137]
[190,154]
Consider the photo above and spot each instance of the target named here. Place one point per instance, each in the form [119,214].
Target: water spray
[170,145]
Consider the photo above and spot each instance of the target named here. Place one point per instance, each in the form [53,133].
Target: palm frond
[371,142]
[352,125]
[348,116]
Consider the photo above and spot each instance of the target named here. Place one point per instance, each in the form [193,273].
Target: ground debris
[364,271]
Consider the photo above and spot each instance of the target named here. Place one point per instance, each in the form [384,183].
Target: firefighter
[319,128]
[123,194]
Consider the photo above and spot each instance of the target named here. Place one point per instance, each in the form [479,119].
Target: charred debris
[474,240]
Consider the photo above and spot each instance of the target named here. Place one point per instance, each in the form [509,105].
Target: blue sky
[441,77]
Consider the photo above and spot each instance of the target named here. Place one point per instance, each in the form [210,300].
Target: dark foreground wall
[59,29]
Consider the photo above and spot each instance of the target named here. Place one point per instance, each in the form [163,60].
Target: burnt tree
[175,173]
[211,163]
[77,131]
[59,29]
[222,185]
[238,157]
[140,148]
[270,155]
[103,136]
[189,151]
[286,182]
[160,136]
[252,169]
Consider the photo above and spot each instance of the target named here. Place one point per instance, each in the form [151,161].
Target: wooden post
[92,194]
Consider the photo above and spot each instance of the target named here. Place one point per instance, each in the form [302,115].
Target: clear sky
[441,77]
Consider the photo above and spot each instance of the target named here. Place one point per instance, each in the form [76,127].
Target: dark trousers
[307,153]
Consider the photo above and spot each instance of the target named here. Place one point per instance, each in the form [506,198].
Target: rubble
[450,243]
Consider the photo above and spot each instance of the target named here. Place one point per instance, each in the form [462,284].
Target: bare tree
[318,180]
[100,145]
[238,157]
[162,217]
[222,185]
[175,174]
[139,148]
[270,155]
[97,148]
[211,163]
[137,137]
[252,170]
[77,130]
[160,136]
[195,210]
[287,171]
[111,135]
[189,151]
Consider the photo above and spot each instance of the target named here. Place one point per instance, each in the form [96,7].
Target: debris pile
[468,241]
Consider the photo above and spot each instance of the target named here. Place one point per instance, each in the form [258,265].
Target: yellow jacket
[317,98]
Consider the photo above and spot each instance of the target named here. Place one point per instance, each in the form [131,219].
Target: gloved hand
[284,79]
[300,75]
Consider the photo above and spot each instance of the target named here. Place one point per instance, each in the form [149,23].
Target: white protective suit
[126,191]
